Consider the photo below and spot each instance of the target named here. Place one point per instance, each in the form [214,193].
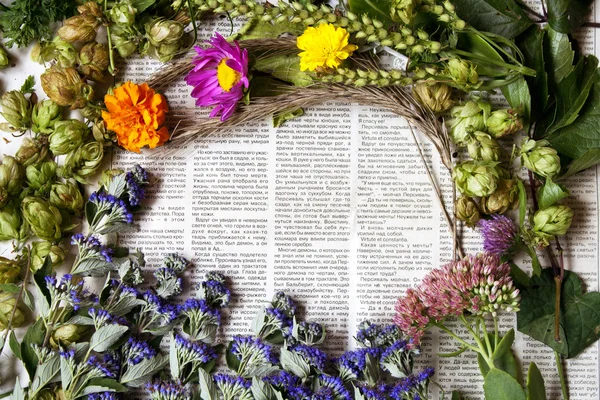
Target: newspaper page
[336,209]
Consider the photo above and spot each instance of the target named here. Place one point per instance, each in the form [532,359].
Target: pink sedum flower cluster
[478,284]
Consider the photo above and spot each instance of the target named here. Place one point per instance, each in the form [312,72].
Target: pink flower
[411,315]
[220,76]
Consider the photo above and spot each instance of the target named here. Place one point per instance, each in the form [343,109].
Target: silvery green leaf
[28,299]
[159,330]
[117,186]
[372,369]
[14,345]
[117,227]
[295,328]
[357,394]
[394,370]
[18,393]
[80,320]
[93,267]
[124,305]
[208,390]
[80,349]
[124,268]
[208,334]
[106,336]
[46,373]
[66,373]
[294,363]
[279,396]
[98,385]
[42,305]
[168,287]
[137,375]
[261,390]
[10,287]
[258,322]
[260,370]
[173,361]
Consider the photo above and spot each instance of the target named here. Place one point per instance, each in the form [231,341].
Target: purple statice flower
[90,247]
[233,387]
[139,174]
[313,356]
[168,283]
[67,354]
[69,293]
[135,351]
[160,310]
[323,393]
[253,351]
[113,211]
[500,234]
[135,189]
[310,332]
[367,332]
[193,352]
[167,390]
[175,262]
[100,369]
[299,392]
[220,76]
[104,396]
[284,303]
[200,310]
[282,381]
[412,385]
[216,293]
[102,317]
[379,392]
[277,318]
[352,363]
[336,385]
[399,356]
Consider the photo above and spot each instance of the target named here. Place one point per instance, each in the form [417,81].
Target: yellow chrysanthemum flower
[324,47]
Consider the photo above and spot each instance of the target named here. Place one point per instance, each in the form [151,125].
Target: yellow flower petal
[324,47]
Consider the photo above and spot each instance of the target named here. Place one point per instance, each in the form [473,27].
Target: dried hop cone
[7,305]
[482,146]
[45,114]
[43,218]
[540,158]
[84,161]
[476,178]
[503,123]
[437,97]
[65,87]
[40,174]
[9,270]
[82,27]
[58,49]
[93,59]
[404,10]
[122,13]
[11,175]
[66,196]
[123,40]
[4,61]
[552,221]
[16,110]
[68,136]
[32,151]
[166,36]
[67,334]
[462,72]
[506,197]
[468,118]
[12,225]
[41,250]
[467,211]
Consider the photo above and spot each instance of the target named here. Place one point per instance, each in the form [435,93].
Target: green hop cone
[506,197]
[58,50]
[82,27]
[4,61]
[67,334]
[437,97]
[65,87]
[11,175]
[122,13]
[552,221]
[540,158]
[84,162]
[483,147]
[66,196]
[41,250]
[68,135]
[9,270]
[43,218]
[12,225]
[45,114]
[468,118]
[7,305]
[467,211]
[32,151]
[4,197]
[93,60]
[123,39]
[16,110]
[476,178]
[404,10]
[462,72]
[503,123]
[41,174]
[166,36]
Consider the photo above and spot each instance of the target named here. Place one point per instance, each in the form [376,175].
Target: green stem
[561,375]
[487,337]
[518,68]
[458,339]
[496,336]
[482,348]
[111,67]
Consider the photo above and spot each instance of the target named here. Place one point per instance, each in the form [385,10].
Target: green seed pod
[6,307]
[552,221]
[11,175]
[16,110]
[66,196]
[68,135]
[45,114]
[43,218]
[476,178]
[32,151]
[9,270]
[540,158]
[40,174]
[502,123]
[482,146]
[65,87]
[12,225]
[467,211]
[437,96]
[467,119]
[41,250]
[506,197]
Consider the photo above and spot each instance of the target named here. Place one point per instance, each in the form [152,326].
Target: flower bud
[68,135]
[467,211]
[552,221]
[65,87]
[437,97]
[11,175]
[93,59]
[84,161]
[7,305]
[60,50]
[503,123]
[122,40]
[9,270]
[32,151]
[40,174]
[16,110]
[12,226]
[67,334]
[467,119]
[44,115]
[481,146]
[506,197]
[463,72]
[43,218]
[539,157]
[122,13]
[41,250]
[4,61]
[66,196]
[476,178]
[404,10]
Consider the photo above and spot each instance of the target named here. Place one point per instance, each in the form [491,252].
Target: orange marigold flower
[137,115]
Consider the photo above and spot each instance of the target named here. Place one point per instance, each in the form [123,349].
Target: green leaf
[531,44]
[378,9]
[502,17]
[454,353]
[505,360]
[137,375]
[35,335]
[46,373]
[518,275]
[499,385]
[505,345]
[550,193]
[589,159]
[536,389]
[285,67]
[141,5]
[208,390]
[579,320]
[475,44]
[566,15]
[18,393]
[10,287]
[28,85]
[264,30]
[573,91]
[14,345]
[455,395]
[106,336]
[294,363]
[535,262]
[559,56]
[518,96]
[232,362]
[280,118]
[522,202]
[98,385]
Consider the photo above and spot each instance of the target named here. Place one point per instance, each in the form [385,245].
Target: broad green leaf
[106,336]
[232,362]
[518,96]
[455,395]
[579,319]
[281,118]
[502,17]
[566,15]
[536,389]
[531,44]
[378,9]
[173,360]
[573,91]
[518,275]
[46,373]
[98,385]
[264,30]
[14,345]
[559,56]
[141,5]
[499,385]
[504,345]
[208,390]
[294,363]
[474,44]
[550,193]
[137,375]
[505,361]
[284,67]
[10,287]
[18,393]
[35,335]
[589,159]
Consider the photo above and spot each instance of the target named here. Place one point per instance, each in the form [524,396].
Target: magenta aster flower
[499,234]
[220,76]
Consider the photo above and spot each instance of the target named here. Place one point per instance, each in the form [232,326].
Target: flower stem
[561,375]
[111,66]
[517,68]
[482,348]
[458,338]
[496,336]
[486,337]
